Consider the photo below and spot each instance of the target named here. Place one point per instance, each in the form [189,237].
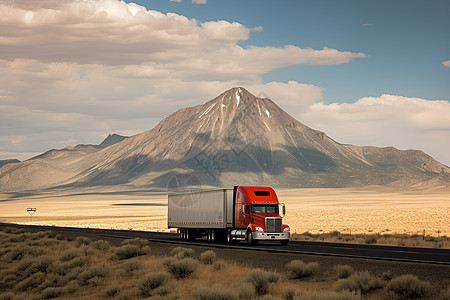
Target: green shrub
[181,252]
[260,280]
[129,251]
[343,271]
[409,286]
[93,276]
[53,292]
[215,293]
[362,282]
[101,245]
[182,268]
[298,269]
[137,242]
[208,257]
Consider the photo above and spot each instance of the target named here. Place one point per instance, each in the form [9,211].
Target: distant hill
[8,161]
[112,139]
[234,139]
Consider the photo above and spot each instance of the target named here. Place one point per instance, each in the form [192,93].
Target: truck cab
[258,216]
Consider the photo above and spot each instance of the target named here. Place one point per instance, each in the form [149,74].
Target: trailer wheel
[229,238]
[190,234]
[250,239]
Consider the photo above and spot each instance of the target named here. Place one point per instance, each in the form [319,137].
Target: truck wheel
[284,242]
[250,239]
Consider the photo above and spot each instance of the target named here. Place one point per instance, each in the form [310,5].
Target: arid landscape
[368,210]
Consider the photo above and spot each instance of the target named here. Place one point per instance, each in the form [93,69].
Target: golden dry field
[369,210]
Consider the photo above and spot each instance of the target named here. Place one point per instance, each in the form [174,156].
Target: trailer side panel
[206,209]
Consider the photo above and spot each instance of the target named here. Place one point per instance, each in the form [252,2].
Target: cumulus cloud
[387,120]
[446,63]
[199,1]
[73,71]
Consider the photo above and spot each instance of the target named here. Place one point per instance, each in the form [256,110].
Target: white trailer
[197,210]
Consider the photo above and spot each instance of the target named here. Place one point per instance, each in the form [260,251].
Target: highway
[361,251]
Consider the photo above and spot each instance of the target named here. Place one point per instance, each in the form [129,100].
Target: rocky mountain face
[8,161]
[234,139]
[112,139]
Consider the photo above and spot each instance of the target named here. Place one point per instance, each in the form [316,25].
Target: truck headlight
[286,228]
[257,228]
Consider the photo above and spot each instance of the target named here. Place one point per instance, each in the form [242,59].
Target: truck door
[246,214]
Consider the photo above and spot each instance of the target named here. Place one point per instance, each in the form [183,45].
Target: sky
[365,72]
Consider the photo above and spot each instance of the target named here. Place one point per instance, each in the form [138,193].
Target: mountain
[236,138]
[112,139]
[8,161]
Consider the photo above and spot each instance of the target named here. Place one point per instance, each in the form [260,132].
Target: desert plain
[357,210]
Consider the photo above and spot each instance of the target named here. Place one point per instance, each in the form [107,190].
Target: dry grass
[408,240]
[91,270]
[356,211]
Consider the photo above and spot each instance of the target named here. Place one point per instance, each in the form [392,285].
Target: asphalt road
[363,251]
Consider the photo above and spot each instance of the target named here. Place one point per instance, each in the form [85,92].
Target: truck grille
[273,224]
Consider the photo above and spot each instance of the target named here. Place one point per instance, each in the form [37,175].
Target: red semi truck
[250,213]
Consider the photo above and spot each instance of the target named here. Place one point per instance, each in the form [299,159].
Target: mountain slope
[235,138]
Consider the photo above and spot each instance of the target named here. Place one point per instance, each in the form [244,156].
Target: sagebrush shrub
[208,257]
[181,252]
[101,245]
[93,276]
[446,294]
[298,269]
[182,268]
[362,282]
[31,282]
[343,271]
[70,254]
[260,280]
[82,240]
[137,242]
[53,292]
[342,295]
[215,293]
[410,287]
[152,281]
[129,251]
[246,291]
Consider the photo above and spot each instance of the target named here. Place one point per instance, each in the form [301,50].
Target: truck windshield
[262,208]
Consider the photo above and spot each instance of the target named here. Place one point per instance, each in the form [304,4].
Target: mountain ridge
[235,138]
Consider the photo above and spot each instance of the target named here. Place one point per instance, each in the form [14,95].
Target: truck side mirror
[283,209]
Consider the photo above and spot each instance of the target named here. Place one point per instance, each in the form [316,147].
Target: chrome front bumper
[266,236]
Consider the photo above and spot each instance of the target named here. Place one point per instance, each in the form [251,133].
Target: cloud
[446,63]
[366,24]
[387,120]
[175,1]
[73,71]
[199,1]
